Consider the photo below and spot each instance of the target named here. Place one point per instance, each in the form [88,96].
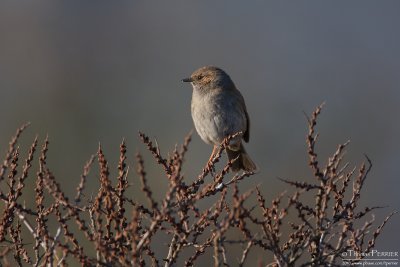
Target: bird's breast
[217,115]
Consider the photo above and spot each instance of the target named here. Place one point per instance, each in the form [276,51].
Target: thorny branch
[113,229]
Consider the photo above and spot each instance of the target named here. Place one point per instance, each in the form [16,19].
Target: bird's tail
[242,160]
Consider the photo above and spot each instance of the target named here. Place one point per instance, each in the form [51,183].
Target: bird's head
[209,77]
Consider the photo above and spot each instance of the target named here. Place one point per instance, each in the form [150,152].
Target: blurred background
[85,72]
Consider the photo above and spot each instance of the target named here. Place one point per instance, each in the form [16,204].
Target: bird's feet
[210,163]
[210,167]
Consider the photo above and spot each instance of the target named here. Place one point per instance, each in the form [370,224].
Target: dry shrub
[120,231]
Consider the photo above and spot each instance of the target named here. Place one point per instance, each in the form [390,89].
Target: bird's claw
[210,167]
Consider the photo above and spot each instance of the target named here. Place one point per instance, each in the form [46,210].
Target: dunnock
[218,110]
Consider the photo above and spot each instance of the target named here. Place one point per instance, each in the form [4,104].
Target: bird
[218,111]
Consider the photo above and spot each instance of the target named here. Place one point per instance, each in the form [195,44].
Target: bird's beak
[187,80]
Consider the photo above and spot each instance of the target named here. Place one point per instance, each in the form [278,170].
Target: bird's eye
[199,77]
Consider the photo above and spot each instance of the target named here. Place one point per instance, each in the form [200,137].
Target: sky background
[86,72]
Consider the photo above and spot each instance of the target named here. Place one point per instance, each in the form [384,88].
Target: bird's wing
[246,135]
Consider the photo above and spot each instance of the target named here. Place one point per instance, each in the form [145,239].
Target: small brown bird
[218,110]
